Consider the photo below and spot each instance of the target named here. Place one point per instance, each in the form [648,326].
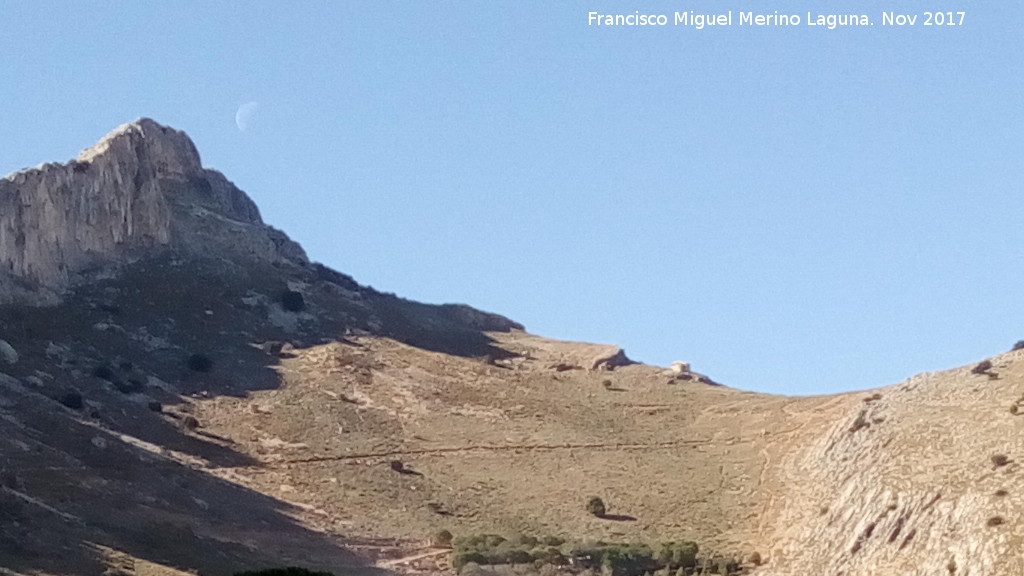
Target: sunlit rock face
[140,190]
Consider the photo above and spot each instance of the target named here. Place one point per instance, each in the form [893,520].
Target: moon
[245,115]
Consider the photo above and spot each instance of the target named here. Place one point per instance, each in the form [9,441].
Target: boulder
[8,355]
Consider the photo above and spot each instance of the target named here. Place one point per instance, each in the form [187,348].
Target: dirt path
[487,448]
[412,558]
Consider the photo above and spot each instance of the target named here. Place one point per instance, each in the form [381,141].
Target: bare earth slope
[341,435]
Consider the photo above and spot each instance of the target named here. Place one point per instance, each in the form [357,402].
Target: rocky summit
[142,188]
[182,391]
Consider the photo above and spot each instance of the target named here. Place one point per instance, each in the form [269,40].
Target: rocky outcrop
[919,478]
[141,189]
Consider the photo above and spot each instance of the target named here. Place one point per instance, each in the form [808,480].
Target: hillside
[169,403]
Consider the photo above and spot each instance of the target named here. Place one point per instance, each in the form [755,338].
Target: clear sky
[791,209]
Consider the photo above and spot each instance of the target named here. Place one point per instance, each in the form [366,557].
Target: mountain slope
[185,391]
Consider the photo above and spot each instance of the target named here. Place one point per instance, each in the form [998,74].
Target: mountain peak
[141,189]
[177,153]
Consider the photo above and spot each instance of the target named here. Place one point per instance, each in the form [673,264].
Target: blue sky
[791,209]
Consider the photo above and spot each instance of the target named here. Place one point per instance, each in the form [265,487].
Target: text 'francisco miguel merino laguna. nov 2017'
[700,21]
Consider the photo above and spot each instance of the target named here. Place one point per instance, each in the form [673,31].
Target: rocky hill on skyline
[183,391]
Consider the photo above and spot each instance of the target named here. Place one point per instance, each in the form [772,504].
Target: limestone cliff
[141,189]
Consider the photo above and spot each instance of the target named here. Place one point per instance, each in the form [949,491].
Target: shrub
[524,540]
[995,521]
[549,555]
[1001,493]
[1014,409]
[1000,460]
[479,541]
[71,399]
[200,363]
[678,554]
[516,556]
[441,539]
[155,406]
[596,507]
[471,569]
[552,541]
[631,559]
[461,559]
[293,301]
[104,371]
[982,368]
[1018,346]
[755,558]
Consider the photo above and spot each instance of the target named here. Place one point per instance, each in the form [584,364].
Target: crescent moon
[245,114]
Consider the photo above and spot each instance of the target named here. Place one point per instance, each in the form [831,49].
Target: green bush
[441,539]
[616,559]
[624,559]
[479,541]
[549,555]
[461,558]
[678,554]
[526,541]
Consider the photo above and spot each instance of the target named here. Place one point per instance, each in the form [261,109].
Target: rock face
[141,189]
